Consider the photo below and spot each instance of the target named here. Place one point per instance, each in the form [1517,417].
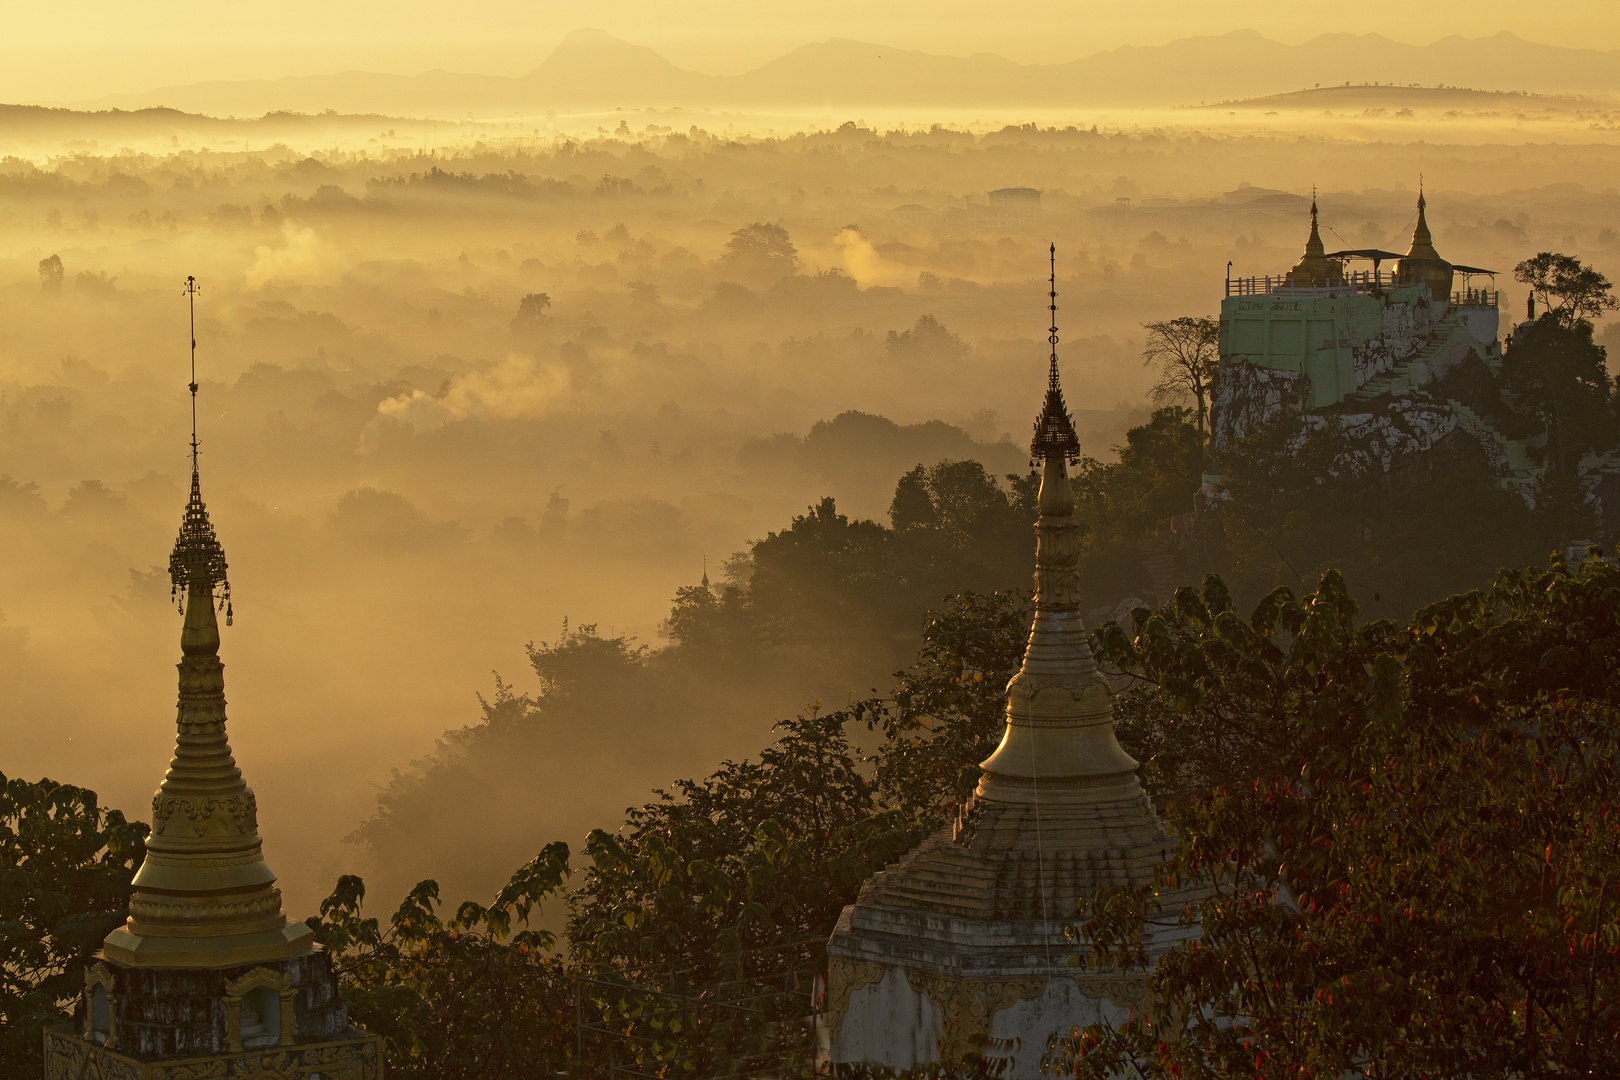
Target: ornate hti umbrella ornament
[197,558]
[207,972]
[1054,427]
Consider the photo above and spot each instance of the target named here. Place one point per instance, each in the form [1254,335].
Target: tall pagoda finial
[1423,239]
[1059,746]
[1315,270]
[1054,427]
[1423,264]
[198,560]
[1314,248]
[191,303]
[204,897]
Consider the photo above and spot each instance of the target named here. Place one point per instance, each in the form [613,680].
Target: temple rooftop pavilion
[1356,333]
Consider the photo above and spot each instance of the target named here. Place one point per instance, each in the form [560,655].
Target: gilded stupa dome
[1316,270]
[1423,264]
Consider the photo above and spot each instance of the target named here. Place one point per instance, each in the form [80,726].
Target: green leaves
[1570,292]
[946,712]
[1408,831]
[460,999]
[65,871]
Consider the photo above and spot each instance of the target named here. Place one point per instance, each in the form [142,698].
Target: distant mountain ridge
[1386,96]
[592,69]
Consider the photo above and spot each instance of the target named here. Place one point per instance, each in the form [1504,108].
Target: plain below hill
[591,69]
[23,125]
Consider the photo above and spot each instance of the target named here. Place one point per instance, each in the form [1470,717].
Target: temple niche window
[259,1011]
[261,1017]
[100,1013]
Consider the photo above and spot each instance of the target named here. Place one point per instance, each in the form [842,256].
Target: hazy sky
[60,52]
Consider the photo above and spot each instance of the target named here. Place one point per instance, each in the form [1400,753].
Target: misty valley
[680,462]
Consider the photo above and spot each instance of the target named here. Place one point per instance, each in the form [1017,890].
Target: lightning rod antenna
[1052,334]
[191,298]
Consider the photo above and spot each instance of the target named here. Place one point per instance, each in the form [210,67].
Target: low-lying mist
[450,399]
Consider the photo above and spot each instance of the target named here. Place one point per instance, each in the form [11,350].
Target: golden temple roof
[1316,270]
[1423,264]
[1422,239]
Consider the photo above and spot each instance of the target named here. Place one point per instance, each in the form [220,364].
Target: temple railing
[1356,281]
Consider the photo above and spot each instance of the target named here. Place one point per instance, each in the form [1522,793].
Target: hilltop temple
[1364,351]
[959,949]
[207,978]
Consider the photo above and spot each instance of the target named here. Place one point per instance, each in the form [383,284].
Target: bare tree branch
[1187,351]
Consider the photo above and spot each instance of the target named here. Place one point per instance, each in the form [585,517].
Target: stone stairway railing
[1398,380]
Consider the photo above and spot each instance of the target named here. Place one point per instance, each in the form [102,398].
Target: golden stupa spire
[1315,270]
[1423,264]
[204,897]
[1054,427]
[1059,745]
[1422,239]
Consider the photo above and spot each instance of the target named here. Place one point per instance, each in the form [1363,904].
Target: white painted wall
[1059,1009]
[889,1023]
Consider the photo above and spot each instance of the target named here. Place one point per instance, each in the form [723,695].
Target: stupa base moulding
[283,1020]
[355,1055]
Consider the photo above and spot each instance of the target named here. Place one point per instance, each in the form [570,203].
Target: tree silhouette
[1569,291]
[51,273]
[762,249]
[1187,351]
[66,863]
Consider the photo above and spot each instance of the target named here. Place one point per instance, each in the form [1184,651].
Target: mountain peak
[589,35]
[593,65]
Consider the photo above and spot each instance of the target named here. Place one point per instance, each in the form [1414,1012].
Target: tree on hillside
[1557,372]
[51,273]
[463,998]
[66,864]
[811,578]
[1406,832]
[1570,292]
[532,308]
[1117,503]
[1187,352]
[928,339]
[762,250]
[1298,502]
